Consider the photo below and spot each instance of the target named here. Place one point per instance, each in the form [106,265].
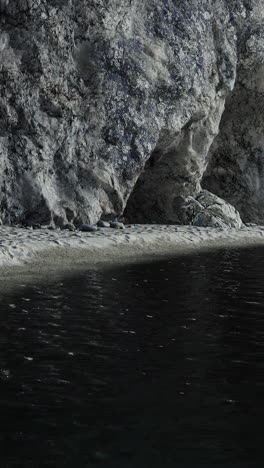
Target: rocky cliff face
[236,159]
[113,106]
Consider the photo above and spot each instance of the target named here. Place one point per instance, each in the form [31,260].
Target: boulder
[207,210]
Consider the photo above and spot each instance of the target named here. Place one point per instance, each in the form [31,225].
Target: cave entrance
[147,200]
[172,171]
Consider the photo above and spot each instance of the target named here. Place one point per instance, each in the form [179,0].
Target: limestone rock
[236,167]
[207,210]
[105,105]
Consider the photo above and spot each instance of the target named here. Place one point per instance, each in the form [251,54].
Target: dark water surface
[147,366]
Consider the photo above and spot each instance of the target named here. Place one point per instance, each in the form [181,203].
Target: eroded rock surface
[236,169]
[104,99]
[207,209]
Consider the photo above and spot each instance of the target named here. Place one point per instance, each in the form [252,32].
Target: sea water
[153,365]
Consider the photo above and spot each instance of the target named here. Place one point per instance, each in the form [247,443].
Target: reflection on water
[156,365]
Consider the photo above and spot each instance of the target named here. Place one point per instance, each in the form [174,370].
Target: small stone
[250,225]
[103,224]
[88,228]
[69,226]
[117,225]
[36,226]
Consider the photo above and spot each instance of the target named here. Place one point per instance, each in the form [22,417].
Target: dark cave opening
[174,170]
[143,203]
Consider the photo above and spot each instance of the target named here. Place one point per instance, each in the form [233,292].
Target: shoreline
[31,256]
